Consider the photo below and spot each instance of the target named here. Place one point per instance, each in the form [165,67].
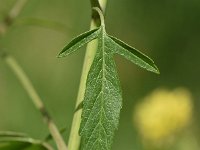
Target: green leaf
[103,99]
[18,141]
[133,55]
[78,42]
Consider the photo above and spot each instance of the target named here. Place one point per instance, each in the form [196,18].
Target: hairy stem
[20,74]
[74,138]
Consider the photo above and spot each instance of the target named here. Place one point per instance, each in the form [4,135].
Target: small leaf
[78,42]
[134,55]
[18,141]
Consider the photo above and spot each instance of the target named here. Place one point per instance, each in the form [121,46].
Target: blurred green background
[168,31]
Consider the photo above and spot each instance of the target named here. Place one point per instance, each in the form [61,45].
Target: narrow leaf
[18,141]
[4,134]
[50,24]
[133,55]
[78,42]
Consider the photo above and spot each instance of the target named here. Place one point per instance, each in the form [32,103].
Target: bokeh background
[168,31]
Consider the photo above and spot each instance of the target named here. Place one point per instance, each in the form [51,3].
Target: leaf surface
[103,100]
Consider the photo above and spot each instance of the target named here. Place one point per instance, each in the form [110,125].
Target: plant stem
[14,12]
[74,138]
[20,74]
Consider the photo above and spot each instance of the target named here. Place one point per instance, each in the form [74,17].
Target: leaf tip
[158,71]
[61,54]
[155,69]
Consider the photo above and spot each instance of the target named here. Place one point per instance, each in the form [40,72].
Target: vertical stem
[74,138]
[20,74]
[103,4]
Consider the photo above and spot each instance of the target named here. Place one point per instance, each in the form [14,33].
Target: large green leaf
[18,141]
[103,99]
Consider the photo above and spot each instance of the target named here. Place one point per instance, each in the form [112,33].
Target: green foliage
[18,141]
[103,99]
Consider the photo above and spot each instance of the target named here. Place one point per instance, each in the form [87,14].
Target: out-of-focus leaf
[50,24]
[19,141]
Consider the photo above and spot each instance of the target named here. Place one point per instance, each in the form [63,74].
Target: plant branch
[20,74]
[9,19]
[74,138]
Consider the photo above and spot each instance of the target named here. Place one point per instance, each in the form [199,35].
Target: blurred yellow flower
[163,113]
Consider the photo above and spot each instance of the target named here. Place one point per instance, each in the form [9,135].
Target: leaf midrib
[102,38]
